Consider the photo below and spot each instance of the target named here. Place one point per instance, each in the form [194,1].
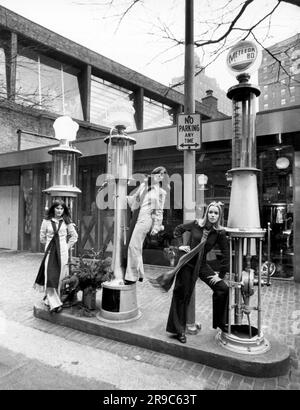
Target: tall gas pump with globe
[243,226]
[64,166]
[64,163]
[119,301]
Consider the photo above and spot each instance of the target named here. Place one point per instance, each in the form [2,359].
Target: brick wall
[14,117]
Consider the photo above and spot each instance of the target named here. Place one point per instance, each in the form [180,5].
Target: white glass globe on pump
[120,114]
[119,144]
[200,203]
[202,179]
[65,129]
[64,160]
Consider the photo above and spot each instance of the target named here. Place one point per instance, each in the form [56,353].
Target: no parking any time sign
[188,131]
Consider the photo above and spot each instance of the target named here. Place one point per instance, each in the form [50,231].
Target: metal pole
[238,278]
[259,291]
[269,252]
[230,288]
[189,165]
[120,198]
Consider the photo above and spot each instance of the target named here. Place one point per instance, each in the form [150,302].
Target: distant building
[46,75]
[203,83]
[279,77]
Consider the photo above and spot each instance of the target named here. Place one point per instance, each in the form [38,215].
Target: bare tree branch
[217,42]
[126,11]
[237,17]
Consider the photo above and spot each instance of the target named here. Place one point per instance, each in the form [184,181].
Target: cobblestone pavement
[280,317]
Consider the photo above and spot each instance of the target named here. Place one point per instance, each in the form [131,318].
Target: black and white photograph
[149,198]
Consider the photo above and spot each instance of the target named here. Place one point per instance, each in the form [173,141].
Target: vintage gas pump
[243,226]
[119,301]
[64,163]
[64,167]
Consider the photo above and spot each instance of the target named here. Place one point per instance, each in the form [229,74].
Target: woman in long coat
[147,205]
[58,234]
[204,236]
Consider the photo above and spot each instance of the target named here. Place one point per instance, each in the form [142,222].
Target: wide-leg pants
[135,266]
[184,285]
[52,295]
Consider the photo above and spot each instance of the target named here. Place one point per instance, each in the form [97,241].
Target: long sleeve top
[151,203]
[214,238]
[67,233]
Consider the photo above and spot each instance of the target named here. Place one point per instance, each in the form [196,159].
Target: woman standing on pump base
[147,205]
[59,235]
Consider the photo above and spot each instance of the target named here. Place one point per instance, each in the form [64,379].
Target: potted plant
[171,253]
[88,273]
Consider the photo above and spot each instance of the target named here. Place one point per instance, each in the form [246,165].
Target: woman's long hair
[66,215]
[217,226]
[165,183]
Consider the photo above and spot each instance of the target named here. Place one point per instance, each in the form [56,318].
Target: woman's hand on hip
[185,248]
[157,229]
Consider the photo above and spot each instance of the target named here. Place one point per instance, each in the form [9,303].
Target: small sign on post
[188,132]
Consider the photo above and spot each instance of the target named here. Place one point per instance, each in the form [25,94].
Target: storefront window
[94,224]
[276,199]
[215,165]
[275,188]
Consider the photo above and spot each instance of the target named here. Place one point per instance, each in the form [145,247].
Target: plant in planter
[171,253]
[88,273]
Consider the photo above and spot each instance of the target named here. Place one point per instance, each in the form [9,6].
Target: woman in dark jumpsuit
[204,236]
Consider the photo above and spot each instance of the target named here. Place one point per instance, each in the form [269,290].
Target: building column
[37,214]
[85,80]
[178,109]
[21,218]
[11,52]
[138,104]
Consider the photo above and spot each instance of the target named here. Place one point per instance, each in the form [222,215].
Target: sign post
[189,157]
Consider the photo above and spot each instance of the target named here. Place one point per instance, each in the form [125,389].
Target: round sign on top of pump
[243,57]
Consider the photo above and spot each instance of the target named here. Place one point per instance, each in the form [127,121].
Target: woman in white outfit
[58,234]
[149,202]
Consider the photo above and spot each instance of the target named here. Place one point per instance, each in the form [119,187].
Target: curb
[202,348]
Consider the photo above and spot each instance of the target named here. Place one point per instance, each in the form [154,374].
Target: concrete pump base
[148,331]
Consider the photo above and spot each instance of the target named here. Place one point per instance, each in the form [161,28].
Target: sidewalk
[280,319]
